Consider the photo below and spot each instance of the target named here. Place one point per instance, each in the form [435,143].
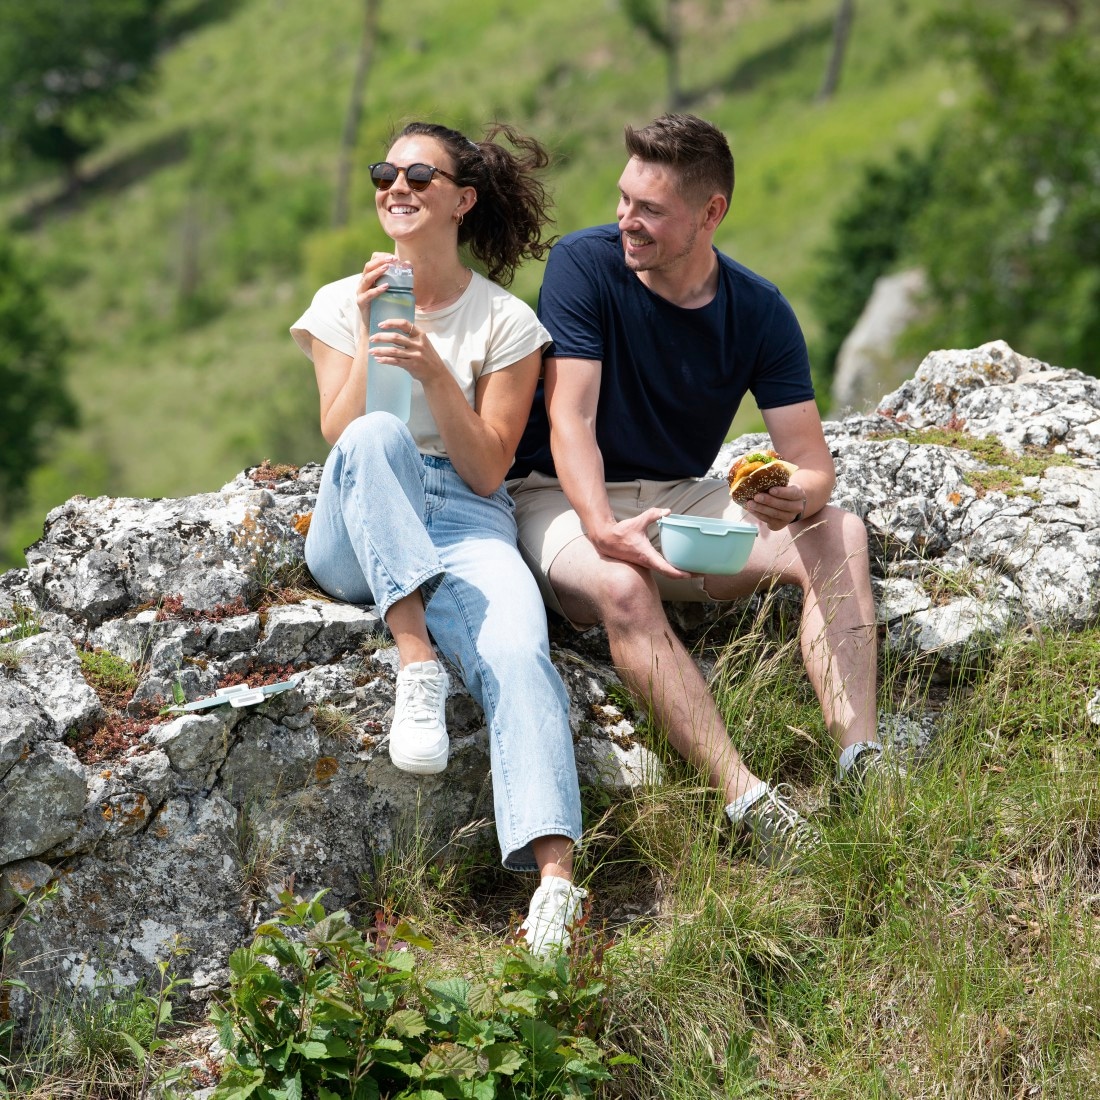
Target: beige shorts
[547,524]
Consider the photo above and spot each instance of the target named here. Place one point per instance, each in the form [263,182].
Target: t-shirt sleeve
[569,303]
[516,332]
[332,317]
[782,370]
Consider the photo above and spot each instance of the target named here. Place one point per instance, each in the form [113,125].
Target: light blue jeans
[389,520]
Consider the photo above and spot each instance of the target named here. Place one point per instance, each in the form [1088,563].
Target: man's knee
[835,532]
[625,596]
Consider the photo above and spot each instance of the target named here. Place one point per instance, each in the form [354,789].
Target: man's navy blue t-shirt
[672,378]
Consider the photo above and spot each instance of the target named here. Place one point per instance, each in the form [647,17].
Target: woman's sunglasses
[383,175]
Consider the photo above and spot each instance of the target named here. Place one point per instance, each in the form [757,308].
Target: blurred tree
[662,28]
[350,136]
[842,31]
[67,64]
[34,401]
[1003,212]
[1010,232]
[868,238]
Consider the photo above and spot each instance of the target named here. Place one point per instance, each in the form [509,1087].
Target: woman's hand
[402,344]
[367,291]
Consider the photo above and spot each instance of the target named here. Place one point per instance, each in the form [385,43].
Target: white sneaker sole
[420,765]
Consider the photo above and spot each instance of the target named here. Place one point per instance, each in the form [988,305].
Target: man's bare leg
[826,557]
[651,659]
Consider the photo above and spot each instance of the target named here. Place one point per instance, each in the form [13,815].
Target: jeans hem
[424,581]
[510,863]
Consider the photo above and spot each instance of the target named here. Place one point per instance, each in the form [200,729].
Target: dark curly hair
[505,225]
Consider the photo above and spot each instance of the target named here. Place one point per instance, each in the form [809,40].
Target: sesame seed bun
[757,472]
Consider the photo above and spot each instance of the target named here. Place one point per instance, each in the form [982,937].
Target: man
[657,337]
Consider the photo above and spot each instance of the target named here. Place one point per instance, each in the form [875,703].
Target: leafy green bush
[318,1009]
[34,396]
[869,237]
[1009,234]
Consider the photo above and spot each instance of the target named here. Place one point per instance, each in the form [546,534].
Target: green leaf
[481,999]
[337,1008]
[585,1048]
[407,1022]
[278,1057]
[449,1060]
[539,1035]
[453,990]
[383,1043]
[136,1049]
[247,1088]
[400,960]
[475,1033]
[591,1071]
[623,1060]
[521,1000]
[406,932]
[311,1049]
[504,1058]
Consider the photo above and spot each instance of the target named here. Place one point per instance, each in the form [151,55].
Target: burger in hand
[757,472]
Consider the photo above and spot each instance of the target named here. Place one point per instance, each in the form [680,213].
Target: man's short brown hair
[697,150]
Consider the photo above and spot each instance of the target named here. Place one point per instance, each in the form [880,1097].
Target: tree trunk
[672,57]
[350,137]
[842,28]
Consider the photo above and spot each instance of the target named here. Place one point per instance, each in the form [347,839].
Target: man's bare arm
[796,434]
[572,394]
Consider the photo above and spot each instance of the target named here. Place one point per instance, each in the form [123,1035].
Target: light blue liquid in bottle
[389,388]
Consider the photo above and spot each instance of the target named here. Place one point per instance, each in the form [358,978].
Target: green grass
[180,285]
[942,944]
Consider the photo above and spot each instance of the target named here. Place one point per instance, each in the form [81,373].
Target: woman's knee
[375,434]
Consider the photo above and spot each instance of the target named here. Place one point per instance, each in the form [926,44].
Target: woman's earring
[457,217]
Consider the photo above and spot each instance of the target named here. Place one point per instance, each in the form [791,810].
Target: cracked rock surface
[156,826]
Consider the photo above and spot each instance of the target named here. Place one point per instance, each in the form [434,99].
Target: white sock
[737,808]
[848,756]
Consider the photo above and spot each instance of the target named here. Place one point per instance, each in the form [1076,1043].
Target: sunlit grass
[942,943]
[180,287]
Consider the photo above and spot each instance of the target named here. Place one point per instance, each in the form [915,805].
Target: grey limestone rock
[157,827]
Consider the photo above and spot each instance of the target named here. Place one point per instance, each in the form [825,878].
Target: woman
[416,520]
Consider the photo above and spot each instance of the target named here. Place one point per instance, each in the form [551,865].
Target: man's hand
[627,541]
[778,507]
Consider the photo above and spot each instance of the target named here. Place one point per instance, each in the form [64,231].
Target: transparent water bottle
[389,388]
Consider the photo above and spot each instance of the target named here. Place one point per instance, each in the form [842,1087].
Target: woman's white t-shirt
[487,329]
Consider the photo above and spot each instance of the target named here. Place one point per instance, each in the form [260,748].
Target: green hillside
[204,227]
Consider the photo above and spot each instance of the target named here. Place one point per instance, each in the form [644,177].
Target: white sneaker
[555,906]
[418,735]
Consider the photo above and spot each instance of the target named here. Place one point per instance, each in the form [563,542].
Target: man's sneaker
[554,908]
[776,833]
[418,735]
[876,772]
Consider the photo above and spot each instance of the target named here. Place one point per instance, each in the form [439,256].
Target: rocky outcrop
[869,360]
[979,482]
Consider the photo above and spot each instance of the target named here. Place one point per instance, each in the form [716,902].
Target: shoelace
[552,906]
[789,825]
[420,696]
[865,762]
